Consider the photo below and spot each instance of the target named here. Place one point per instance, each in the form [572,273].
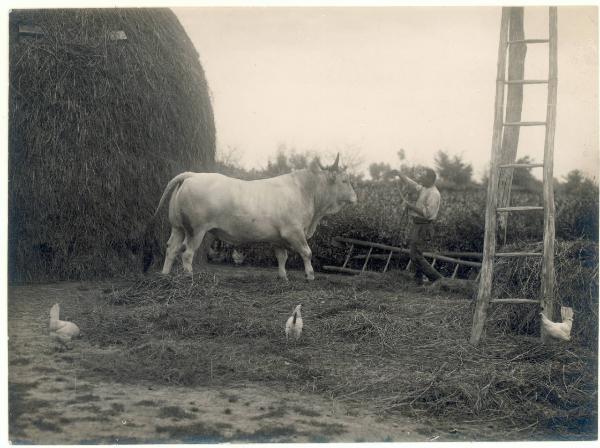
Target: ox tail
[150,242]
[295,317]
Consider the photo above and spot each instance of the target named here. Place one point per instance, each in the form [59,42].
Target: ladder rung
[514,301]
[526,81]
[519,254]
[522,165]
[525,123]
[523,208]
[528,41]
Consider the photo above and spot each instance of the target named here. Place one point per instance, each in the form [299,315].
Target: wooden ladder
[546,299]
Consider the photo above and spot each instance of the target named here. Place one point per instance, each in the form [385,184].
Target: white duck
[62,330]
[559,330]
[293,326]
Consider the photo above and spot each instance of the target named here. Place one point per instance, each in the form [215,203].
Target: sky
[369,81]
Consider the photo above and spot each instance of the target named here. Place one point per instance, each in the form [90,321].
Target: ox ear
[335,166]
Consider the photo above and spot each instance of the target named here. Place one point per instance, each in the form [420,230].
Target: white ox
[283,210]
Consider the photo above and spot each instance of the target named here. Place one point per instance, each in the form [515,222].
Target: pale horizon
[377,79]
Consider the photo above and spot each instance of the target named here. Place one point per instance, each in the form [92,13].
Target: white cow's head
[338,190]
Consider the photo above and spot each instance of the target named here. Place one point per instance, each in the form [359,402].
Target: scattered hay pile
[106,105]
[576,286]
[373,342]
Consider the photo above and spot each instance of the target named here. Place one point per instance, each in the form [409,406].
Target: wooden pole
[514,107]
[548,260]
[489,241]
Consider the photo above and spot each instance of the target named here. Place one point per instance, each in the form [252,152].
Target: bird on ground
[61,330]
[559,330]
[293,326]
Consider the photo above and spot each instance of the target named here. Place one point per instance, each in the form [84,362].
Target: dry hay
[377,343]
[576,286]
[97,128]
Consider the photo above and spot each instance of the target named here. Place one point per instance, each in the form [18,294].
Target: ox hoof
[310,277]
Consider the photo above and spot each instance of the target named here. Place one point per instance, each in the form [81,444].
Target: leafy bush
[378,216]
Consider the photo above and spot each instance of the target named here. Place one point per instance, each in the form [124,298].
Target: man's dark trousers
[420,235]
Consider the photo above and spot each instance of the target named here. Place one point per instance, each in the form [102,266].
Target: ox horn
[334,167]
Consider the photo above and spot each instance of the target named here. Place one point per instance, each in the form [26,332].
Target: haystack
[106,105]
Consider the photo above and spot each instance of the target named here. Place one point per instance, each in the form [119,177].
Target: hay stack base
[106,105]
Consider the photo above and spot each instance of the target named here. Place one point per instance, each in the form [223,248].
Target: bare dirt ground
[53,400]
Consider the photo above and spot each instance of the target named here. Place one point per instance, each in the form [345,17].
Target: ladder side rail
[514,107]
[489,249]
[387,263]
[348,255]
[367,259]
[455,270]
[547,290]
[369,244]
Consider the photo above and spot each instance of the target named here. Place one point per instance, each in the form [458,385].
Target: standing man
[423,214]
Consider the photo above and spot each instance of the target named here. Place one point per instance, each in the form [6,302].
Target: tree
[379,171]
[577,183]
[401,154]
[299,160]
[280,165]
[350,159]
[453,169]
[523,177]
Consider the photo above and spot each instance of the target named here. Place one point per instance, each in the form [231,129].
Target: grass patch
[306,412]
[81,388]
[197,432]
[45,425]
[44,369]
[93,418]
[111,440]
[149,403]
[90,408]
[115,409]
[174,412]
[268,433]
[18,406]
[374,341]
[87,398]
[277,412]
[328,429]
[54,390]
[21,361]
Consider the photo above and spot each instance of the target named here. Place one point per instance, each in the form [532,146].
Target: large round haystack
[105,107]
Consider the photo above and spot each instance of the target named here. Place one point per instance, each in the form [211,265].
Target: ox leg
[282,256]
[173,248]
[191,244]
[298,242]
